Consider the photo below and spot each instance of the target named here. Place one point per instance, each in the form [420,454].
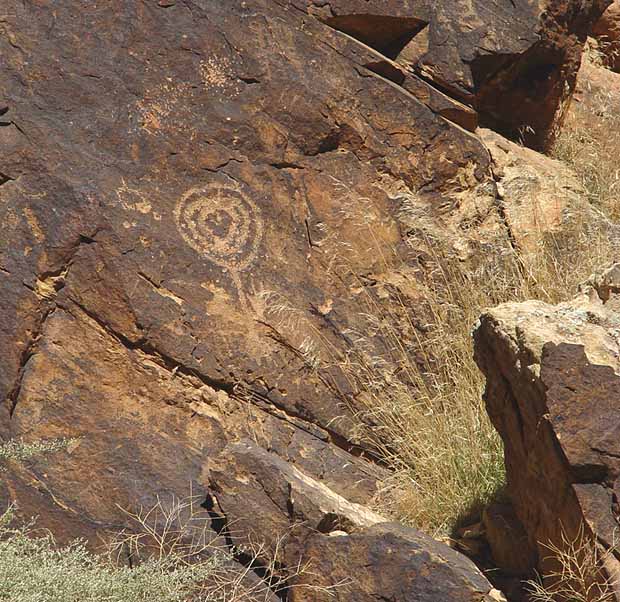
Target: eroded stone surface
[409,566]
[515,62]
[195,197]
[553,382]
[538,195]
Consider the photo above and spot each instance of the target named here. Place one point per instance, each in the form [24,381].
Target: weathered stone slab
[553,384]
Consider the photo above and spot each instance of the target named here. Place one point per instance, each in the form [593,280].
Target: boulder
[607,32]
[553,381]
[198,198]
[538,196]
[409,566]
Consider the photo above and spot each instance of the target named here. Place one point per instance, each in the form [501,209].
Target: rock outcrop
[536,194]
[553,383]
[515,63]
[607,32]
[428,569]
[195,197]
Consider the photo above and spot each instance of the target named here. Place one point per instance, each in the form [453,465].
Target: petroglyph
[33,222]
[133,199]
[159,108]
[216,73]
[224,225]
[160,104]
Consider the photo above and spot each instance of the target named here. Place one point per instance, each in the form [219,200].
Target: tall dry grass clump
[589,142]
[418,391]
[422,396]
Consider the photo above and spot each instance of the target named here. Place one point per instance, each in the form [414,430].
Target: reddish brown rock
[188,195]
[607,32]
[510,548]
[409,566]
[552,388]
[538,195]
[515,62]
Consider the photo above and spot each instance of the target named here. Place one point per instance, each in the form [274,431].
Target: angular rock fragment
[349,552]
[553,384]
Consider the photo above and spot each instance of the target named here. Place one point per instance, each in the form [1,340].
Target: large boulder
[197,201]
[515,62]
[538,196]
[553,384]
[405,563]
[607,32]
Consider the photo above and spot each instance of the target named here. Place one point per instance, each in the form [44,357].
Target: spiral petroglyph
[223,224]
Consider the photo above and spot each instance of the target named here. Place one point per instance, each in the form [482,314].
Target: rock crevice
[244,167]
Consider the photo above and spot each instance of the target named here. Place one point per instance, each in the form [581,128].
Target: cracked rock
[191,194]
[553,384]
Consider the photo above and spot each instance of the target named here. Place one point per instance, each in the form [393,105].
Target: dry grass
[590,144]
[601,52]
[423,409]
[592,155]
[580,574]
[169,554]
[411,362]
[423,394]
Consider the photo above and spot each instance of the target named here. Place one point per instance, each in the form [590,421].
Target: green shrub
[33,569]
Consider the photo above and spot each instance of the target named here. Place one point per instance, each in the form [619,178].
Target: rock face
[188,191]
[510,548]
[553,382]
[515,62]
[607,31]
[431,570]
[537,195]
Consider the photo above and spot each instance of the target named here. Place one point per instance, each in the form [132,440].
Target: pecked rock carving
[126,127]
[223,224]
